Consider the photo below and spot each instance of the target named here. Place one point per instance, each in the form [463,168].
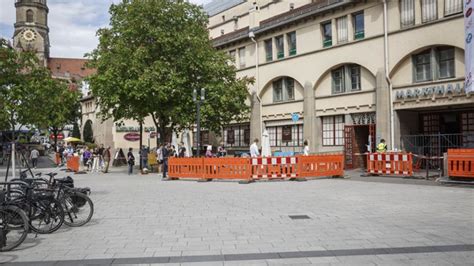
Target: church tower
[31,28]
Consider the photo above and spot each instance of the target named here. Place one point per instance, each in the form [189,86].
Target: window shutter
[429,10]
[342,32]
[407,13]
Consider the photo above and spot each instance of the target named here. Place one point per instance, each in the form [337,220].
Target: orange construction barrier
[461,163]
[321,165]
[72,163]
[256,168]
[390,163]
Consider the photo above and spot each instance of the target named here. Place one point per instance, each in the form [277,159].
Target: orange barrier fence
[461,163]
[72,163]
[392,163]
[257,168]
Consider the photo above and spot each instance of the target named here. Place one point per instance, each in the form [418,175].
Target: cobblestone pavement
[140,219]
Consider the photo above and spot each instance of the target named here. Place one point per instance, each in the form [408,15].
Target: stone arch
[88,132]
[298,85]
[406,56]
[30,16]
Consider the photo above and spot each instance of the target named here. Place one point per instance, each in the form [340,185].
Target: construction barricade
[461,163]
[249,169]
[72,163]
[390,163]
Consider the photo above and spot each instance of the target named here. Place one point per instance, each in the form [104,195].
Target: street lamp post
[198,102]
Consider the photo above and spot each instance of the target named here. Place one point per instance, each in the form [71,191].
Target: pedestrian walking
[106,155]
[254,149]
[95,160]
[166,154]
[130,161]
[306,148]
[159,157]
[100,153]
[144,156]
[87,158]
[209,152]
[34,155]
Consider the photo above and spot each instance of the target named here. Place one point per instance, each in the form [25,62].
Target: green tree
[76,132]
[152,57]
[88,134]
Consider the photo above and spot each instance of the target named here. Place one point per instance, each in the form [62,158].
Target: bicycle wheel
[13,227]
[46,216]
[78,209]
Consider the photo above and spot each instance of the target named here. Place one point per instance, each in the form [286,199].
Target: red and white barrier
[274,167]
[390,163]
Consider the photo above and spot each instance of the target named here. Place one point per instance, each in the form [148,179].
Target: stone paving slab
[140,216]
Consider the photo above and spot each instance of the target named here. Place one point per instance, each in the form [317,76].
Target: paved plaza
[140,219]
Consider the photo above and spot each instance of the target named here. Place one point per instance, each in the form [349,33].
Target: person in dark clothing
[166,155]
[181,150]
[131,161]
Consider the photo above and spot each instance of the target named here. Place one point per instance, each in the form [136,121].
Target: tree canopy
[152,57]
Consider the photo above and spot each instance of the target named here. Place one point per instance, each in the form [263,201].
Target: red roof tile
[69,68]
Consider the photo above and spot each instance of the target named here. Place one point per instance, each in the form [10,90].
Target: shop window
[346,78]
[29,16]
[283,89]
[446,62]
[333,130]
[242,57]
[359,31]
[327,34]
[342,33]
[286,136]
[268,50]
[204,137]
[433,64]
[452,7]
[467,127]
[429,10]
[407,13]
[422,62]
[237,136]
[279,47]
[291,43]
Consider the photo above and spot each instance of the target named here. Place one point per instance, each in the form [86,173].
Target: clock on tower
[31,27]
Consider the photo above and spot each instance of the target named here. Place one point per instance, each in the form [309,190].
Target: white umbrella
[174,140]
[266,149]
[187,142]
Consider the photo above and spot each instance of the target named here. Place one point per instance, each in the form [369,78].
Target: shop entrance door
[358,139]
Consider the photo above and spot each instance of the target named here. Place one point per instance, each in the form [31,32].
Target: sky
[72,24]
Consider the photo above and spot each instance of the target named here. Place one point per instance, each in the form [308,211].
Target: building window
[242,57]
[429,10]
[355,77]
[446,62]
[327,34]
[346,78]
[237,136]
[422,62]
[452,7]
[286,136]
[291,43]
[29,16]
[342,32]
[359,32]
[338,80]
[333,130]
[407,13]
[432,64]
[279,47]
[283,89]
[232,56]
[268,50]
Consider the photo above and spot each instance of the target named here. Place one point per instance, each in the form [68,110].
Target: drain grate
[299,217]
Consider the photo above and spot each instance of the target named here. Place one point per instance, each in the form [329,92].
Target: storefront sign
[132,136]
[133,129]
[430,91]
[469,44]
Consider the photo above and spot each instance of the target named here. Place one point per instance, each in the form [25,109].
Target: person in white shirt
[306,148]
[254,149]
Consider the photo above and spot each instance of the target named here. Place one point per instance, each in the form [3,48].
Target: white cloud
[72,24]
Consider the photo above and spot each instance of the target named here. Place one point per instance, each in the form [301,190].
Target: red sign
[132,136]
[60,136]
[154,134]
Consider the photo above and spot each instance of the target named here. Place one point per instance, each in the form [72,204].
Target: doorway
[358,139]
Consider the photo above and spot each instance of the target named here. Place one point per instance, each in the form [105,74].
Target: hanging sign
[468,51]
[295,117]
[132,136]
